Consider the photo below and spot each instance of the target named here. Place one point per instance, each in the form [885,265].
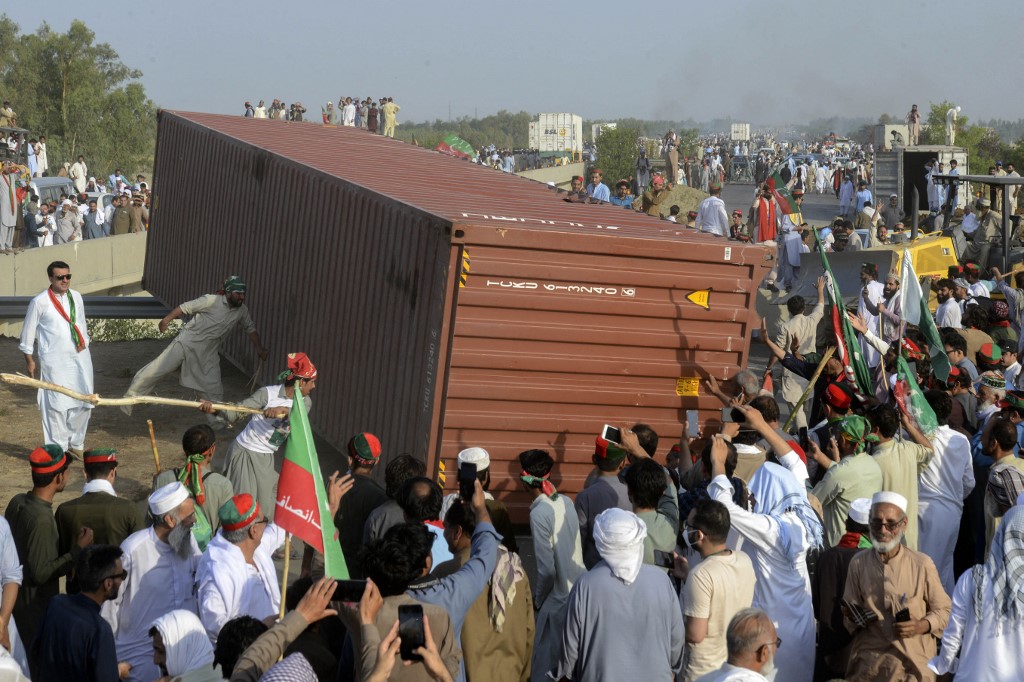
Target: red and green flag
[456,146]
[782,194]
[302,508]
[847,346]
[911,399]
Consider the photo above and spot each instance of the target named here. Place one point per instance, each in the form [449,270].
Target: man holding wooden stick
[56,319]
[196,348]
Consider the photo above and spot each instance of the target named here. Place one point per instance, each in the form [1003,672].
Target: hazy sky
[780,61]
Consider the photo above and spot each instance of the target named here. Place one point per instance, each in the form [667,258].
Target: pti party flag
[914,304]
[782,194]
[302,508]
[910,398]
[456,146]
[847,346]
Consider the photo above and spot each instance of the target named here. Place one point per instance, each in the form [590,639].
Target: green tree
[617,152]
[80,95]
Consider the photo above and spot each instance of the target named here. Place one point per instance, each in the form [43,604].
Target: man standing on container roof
[711,215]
[195,349]
[597,189]
[390,110]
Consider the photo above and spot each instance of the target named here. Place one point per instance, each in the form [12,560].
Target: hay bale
[686,198]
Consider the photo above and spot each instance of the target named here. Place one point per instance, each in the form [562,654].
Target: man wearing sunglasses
[56,319]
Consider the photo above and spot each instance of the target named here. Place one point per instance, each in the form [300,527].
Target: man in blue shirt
[74,643]
[597,189]
[863,194]
[622,196]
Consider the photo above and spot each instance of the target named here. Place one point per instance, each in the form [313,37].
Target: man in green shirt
[35,535]
[645,482]
[850,473]
[111,518]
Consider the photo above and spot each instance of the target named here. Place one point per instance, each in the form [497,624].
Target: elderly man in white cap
[498,511]
[624,620]
[181,647]
[893,603]
[161,563]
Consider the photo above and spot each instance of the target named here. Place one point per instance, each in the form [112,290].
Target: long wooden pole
[284,577]
[152,441]
[97,400]
[810,387]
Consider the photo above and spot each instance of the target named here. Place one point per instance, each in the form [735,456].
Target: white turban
[619,537]
[889,497]
[166,499]
[860,511]
[478,456]
[186,642]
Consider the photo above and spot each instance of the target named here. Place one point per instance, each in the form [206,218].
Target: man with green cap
[850,473]
[607,491]
[111,518]
[196,348]
[35,535]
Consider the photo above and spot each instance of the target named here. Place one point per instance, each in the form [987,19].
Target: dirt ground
[114,365]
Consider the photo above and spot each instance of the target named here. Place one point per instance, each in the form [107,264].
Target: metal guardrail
[97,307]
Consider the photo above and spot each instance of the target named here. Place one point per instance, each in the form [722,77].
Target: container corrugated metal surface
[365,303]
[571,315]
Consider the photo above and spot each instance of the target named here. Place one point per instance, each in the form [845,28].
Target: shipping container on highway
[557,133]
[447,305]
[898,171]
[739,132]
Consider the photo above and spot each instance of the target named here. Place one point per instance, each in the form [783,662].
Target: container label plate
[688,387]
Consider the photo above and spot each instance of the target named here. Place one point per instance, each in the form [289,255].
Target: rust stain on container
[571,316]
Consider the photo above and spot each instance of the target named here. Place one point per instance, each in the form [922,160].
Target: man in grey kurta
[196,348]
[624,621]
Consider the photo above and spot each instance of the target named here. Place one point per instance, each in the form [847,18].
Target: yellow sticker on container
[701,297]
[687,386]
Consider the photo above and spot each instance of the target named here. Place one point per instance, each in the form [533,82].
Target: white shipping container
[740,132]
[559,133]
[534,136]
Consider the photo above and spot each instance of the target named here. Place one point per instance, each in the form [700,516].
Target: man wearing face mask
[720,586]
[893,603]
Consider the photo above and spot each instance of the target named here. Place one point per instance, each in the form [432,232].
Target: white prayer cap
[166,499]
[185,640]
[619,538]
[477,456]
[889,497]
[860,510]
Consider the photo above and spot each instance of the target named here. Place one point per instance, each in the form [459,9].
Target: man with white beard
[894,603]
[161,564]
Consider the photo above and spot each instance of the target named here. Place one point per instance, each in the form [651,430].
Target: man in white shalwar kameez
[196,348]
[161,562]
[777,536]
[56,318]
[236,575]
[555,529]
[875,292]
[942,487]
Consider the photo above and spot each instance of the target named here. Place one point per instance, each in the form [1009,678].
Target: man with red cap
[650,200]
[607,491]
[36,537]
[111,518]
[236,575]
[250,460]
[366,495]
[577,195]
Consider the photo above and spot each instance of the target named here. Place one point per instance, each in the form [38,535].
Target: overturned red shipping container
[447,305]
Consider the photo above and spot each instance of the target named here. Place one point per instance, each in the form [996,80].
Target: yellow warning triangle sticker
[701,297]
